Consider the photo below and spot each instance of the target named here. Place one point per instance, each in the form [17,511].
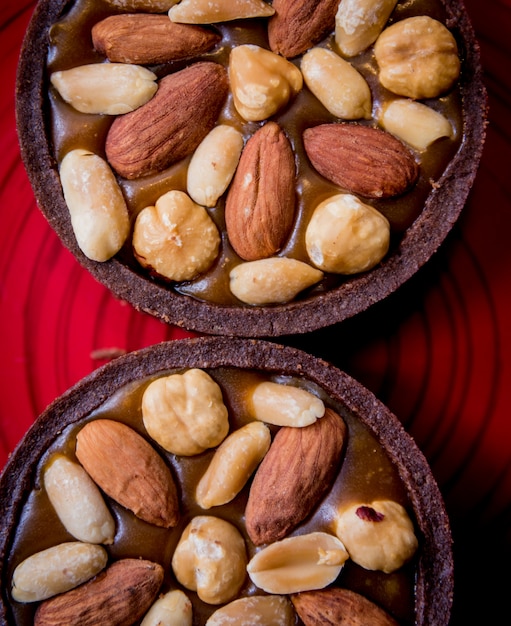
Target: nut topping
[339,606]
[129,470]
[363,160]
[171,125]
[346,236]
[359,22]
[56,570]
[418,58]
[267,610]
[176,238]
[342,90]
[210,559]
[297,26]
[211,11]
[272,281]
[260,204]
[262,83]
[119,595]
[98,211]
[299,563]
[185,413]
[295,474]
[108,88]
[124,39]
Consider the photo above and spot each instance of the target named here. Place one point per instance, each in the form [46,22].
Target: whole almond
[260,204]
[124,38]
[339,606]
[129,470]
[171,125]
[294,475]
[119,596]
[297,26]
[361,159]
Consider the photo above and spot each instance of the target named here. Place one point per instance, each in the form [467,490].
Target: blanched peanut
[210,559]
[299,563]
[378,535]
[341,89]
[346,236]
[99,214]
[414,122]
[212,11]
[78,501]
[359,22]
[417,58]
[185,413]
[285,405]
[262,82]
[56,570]
[213,164]
[172,609]
[176,238]
[108,88]
[271,281]
[267,610]
[233,464]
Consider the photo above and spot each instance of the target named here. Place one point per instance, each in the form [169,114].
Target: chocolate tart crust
[420,242]
[434,585]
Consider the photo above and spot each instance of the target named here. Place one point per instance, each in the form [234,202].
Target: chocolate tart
[376,445]
[418,226]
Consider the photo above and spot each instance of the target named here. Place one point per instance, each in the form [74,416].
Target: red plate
[438,352]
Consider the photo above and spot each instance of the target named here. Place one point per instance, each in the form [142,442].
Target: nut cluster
[286,473]
[242,174]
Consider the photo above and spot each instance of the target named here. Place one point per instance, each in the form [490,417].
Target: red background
[438,352]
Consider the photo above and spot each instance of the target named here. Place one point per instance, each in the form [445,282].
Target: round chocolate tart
[254,261]
[339,474]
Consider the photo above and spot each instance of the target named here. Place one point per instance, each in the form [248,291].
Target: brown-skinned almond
[124,39]
[129,470]
[260,204]
[171,125]
[295,474]
[362,160]
[297,26]
[118,596]
[336,605]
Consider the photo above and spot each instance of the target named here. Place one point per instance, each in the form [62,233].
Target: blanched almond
[172,609]
[359,22]
[211,11]
[56,570]
[78,501]
[299,563]
[414,122]
[285,405]
[272,281]
[341,89]
[98,210]
[232,465]
[109,88]
[213,164]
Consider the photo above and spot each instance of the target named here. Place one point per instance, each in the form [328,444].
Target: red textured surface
[438,352]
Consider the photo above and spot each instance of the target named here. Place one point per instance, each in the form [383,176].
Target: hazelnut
[210,559]
[176,238]
[346,236]
[417,58]
[378,535]
[185,413]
